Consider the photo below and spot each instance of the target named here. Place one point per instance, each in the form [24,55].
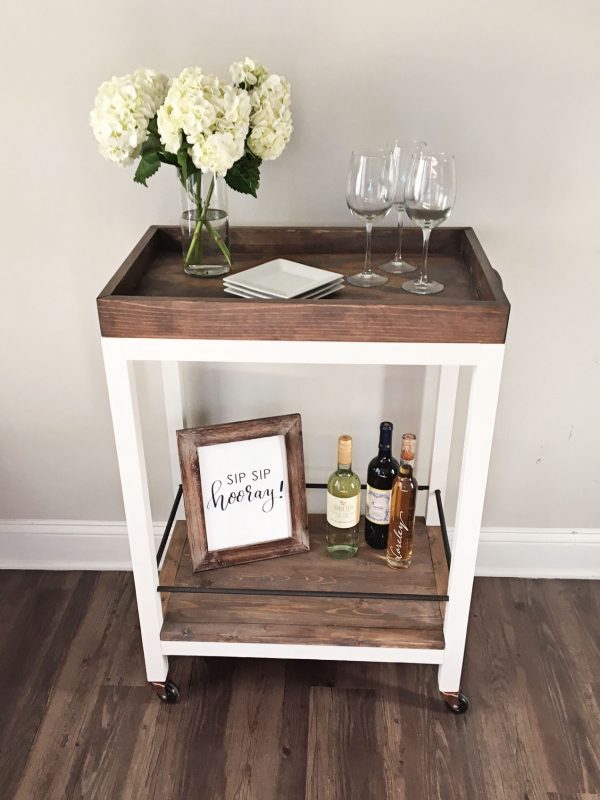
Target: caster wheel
[167,691]
[457,703]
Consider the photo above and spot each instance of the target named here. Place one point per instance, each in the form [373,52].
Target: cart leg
[130,453]
[481,415]
[173,394]
[442,439]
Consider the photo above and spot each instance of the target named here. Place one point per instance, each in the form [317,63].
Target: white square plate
[322,292]
[331,286]
[282,278]
[338,282]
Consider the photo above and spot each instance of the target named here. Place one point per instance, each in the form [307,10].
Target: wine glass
[401,160]
[369,194]
[429,197]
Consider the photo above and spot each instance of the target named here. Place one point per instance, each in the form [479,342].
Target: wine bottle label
[343,512]
[378,505]
[397,536]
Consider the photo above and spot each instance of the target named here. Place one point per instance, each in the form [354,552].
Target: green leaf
[168,158]
[150,159]
[153,142]
[182,160]
[244,175]
[186,165]
[149,163]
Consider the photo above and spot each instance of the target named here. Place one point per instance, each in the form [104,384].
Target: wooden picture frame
[239,499]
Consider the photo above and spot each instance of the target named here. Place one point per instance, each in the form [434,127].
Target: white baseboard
[539,553]
[66,544]
[90,545]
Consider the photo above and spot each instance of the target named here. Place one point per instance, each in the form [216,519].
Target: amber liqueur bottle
[402,508]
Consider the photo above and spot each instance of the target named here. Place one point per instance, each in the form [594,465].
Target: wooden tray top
[150,296]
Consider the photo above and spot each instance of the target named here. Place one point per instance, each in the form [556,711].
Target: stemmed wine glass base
[420,286]
[367,279]
[397,267]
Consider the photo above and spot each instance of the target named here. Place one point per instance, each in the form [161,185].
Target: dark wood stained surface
[439,562]
[316,620]
[315,570]
[151,296]
[303,620]
[78,720]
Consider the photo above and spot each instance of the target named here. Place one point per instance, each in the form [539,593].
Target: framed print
[244,491]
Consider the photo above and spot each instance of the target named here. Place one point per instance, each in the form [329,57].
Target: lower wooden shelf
[351,602]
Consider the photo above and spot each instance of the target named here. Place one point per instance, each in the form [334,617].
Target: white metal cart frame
[486,363]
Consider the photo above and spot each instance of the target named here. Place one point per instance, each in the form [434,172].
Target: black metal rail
[362,486]
[440,507]
[169,525]
[301,593]
[436,598]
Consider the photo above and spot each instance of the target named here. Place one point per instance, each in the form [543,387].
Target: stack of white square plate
[282,280]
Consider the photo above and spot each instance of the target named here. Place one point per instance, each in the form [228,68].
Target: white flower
[212,116]
[122,110]
[271,118]
[217,152]
[247,72]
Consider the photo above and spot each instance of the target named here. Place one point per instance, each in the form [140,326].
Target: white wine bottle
[343,505]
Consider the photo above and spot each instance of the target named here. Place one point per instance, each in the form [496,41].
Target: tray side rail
[167,587]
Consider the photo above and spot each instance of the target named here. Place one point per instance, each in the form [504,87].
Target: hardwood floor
[77,719]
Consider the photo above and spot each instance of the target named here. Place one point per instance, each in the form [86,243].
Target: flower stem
[219,241]
[202,220]
[199,214]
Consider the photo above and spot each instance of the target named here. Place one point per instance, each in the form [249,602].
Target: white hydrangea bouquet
[201,126]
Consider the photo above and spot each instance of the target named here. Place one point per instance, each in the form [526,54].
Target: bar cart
[308,606]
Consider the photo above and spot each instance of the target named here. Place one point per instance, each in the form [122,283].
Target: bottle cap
[345,449]
[409,443]
[385,435]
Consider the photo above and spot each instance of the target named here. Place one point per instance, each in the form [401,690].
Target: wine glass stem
[398,256]
[367,269]
[426,234]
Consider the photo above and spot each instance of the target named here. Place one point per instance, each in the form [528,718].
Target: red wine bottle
[380,477]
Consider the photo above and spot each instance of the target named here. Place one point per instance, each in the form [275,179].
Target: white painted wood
[481,415]
[134,483]
[442,438]
[67,544]
[574,556]
[487,363]
[429,400]
[174,412]
[172,380]
[284,352]
[394,655]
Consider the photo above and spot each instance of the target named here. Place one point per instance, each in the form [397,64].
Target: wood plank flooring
[77,719]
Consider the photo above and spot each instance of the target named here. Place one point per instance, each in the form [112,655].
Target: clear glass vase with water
[204,225]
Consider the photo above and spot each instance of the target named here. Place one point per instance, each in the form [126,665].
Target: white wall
[511,88]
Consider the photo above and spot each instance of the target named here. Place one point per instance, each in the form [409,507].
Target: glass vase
[204,225]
